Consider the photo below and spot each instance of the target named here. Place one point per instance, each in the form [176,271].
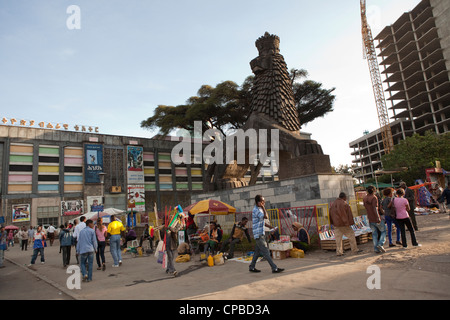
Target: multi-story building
[50,175]
[415,59]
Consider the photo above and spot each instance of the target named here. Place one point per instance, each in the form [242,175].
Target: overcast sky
[129,56]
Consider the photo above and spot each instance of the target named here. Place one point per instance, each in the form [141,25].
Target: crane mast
[380,101]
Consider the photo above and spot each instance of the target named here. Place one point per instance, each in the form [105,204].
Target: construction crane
[371,56]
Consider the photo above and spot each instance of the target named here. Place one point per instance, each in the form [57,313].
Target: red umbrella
[11,227]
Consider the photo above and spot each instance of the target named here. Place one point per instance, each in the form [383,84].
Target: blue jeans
[389,222]
[89,258]
[35,253]
[261,249]
[378,228]
[114,243]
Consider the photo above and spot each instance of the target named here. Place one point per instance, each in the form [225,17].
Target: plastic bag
[183,258]
[218,259]
[296,253]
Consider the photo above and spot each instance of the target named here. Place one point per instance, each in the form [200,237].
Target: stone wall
[302,191]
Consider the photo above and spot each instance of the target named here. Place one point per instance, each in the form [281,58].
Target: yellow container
[210,261]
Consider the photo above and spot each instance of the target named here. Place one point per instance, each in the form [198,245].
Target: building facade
[49,176]
[414,55]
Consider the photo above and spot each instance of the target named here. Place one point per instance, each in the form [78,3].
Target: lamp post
[101,175]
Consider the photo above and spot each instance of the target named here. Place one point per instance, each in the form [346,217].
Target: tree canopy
[418,153]
[227,105]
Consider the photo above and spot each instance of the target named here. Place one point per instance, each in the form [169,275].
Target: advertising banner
[94,203]
[20,212]
[72,208]
[135,165]
[136,198]
[93,162]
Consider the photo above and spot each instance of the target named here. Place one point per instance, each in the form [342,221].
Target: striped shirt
[258,222]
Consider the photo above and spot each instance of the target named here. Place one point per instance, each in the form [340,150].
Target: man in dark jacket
[66,242]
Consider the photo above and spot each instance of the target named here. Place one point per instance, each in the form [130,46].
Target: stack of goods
[280,248]
[360,227]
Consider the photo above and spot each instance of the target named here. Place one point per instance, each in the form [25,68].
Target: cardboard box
[280,255]
[280,246]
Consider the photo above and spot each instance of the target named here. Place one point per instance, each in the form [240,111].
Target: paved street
[416,273]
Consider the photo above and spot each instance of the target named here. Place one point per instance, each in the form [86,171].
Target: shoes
[254,270]
[103,267]
[120,262]
[115,265]
[278,270]
[391,245]
[381,248]
[417,245]
[398,242]
[174,274]
[43,262]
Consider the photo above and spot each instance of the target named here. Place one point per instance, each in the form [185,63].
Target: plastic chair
[134,243]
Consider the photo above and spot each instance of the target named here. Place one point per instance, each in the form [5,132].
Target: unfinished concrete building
[414,57]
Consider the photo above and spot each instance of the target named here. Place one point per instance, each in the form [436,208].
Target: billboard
[72,208]
[94,203]
[20,212]
[136,198]
[93,162]
[135,165]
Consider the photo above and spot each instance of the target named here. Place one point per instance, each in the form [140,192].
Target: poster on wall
[93,162]
[135,165]
[72,208]
[20,212]
[94,203]
[136,198]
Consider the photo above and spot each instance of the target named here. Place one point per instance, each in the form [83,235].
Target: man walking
[342,219]
[80,226]
[51,234]
[86,247]
[115,228]
[258,215]
[377,224]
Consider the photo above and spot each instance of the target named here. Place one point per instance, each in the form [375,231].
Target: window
[48,215]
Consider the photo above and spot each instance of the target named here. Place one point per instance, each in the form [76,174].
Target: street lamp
[101,175]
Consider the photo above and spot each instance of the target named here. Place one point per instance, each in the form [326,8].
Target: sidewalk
[415,273]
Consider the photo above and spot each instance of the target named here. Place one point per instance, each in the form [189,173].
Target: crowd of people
[394,207]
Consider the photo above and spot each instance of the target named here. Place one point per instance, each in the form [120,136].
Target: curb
[47,280]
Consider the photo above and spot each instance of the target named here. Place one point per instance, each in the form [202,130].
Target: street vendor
[300,239]
[191,227]
[215,236]
[237,234]
[131,235]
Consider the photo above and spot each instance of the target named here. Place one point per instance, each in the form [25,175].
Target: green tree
[311,99]
[227,106]
[418,153]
